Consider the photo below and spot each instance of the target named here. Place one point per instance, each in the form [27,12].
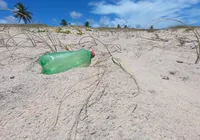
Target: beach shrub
[66,32]
[118,26]
[58,30]
[151,29]
[79,32]
[87,29]
[63,22]
[87,24]
[187,30]
[41,31]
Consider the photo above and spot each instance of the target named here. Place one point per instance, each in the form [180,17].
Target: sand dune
[154,95]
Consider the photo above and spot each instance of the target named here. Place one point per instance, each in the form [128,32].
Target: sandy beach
[140,85]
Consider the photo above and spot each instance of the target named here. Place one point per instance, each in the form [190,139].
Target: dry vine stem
[64,97]
[86,102]
[118,63]
[195,32]
[75,125]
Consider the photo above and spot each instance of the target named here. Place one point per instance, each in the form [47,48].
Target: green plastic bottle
[57,62]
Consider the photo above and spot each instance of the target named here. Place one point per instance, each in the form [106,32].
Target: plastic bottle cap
[92,54]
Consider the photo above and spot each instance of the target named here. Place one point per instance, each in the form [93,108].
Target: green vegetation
[22,13]
[125,26]
[41,30]
[63,22]
[59,30]
[87,29]
[118,26]
[151,29]
[188,29]
[79,32]
[87,24]
[178,27]
[66,32]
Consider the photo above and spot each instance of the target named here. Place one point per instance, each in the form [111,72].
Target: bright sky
[134,13]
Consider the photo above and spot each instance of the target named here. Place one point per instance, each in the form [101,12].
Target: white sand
[168,106]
